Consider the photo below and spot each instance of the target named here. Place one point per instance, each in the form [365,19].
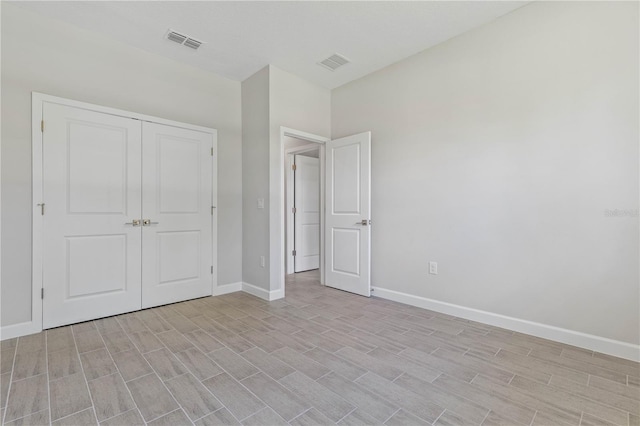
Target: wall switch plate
[433,268]
[261,203]
[262,262]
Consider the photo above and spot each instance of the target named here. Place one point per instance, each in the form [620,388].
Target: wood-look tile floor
[320,356]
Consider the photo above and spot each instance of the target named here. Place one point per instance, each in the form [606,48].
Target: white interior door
[177,213]
[91,189]
[347,223]
[307,213]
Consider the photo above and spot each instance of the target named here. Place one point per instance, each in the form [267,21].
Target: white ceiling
[243,37]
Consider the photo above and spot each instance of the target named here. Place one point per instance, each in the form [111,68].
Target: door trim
[37,103]
[277,242]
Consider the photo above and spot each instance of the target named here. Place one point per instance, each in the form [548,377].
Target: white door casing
[91,190]
[307,213]
[348,220]
[177,203]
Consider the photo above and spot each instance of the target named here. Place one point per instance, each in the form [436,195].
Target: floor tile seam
[558,365]
[32,375]
[266,407]
[70,415]
[445,410]
[26,378]
[153,372]
[355,407]
[31,414]
[224,371]
[301,414]
[396,412]
[260,399]
[121,376]
[393,404]
[534,368]
[562,408]
[141,375]
[337,395]
[166,414]
[222,405]
[84,376]
[586,398]
[375,360]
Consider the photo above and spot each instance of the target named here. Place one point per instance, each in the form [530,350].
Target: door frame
[277,242]
[289,176]
[37,105]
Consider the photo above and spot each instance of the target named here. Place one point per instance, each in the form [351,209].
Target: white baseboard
[227,288]
[18,330]
[262,293]
[562,335]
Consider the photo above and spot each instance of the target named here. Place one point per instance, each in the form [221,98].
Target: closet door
[177,214]
[92,191]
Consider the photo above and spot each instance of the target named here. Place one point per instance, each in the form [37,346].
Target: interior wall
[52,57]
[500,154]
[255,178]
[297,104]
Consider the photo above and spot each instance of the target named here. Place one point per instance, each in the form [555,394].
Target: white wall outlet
[433,268]
[262,262]
[261,203]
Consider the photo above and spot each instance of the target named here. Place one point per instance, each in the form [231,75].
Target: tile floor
[318,357]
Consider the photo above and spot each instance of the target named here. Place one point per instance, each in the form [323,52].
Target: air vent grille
[174,36]
[194,44]
[183,39]
[334,62]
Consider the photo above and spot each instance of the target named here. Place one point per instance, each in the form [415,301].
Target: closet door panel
[177,214]
[92,195]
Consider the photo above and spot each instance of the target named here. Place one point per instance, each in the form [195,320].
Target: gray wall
[297,104]
[44,55]
[272,98]
[255,178]
[497,153]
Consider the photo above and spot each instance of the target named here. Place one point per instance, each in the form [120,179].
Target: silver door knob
[365,222]
[147,222]
[134,222]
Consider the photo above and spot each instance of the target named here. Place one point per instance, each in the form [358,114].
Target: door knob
[134,222]
[147,222]
[365,222]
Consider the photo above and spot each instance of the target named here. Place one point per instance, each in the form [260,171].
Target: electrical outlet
[433,268]
[262,263]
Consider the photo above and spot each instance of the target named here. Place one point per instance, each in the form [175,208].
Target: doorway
[298,143]
[302,219]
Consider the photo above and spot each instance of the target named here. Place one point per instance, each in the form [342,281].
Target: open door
[348,207]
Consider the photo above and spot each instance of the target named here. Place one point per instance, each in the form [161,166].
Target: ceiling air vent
[184,40]
[334,62]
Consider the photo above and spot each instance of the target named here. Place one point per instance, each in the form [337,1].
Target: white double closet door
[127,220]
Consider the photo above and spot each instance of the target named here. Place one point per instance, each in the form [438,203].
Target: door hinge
[212,152]
[42,293]
[294,167]
[212,269]
[42,125]
[294,210]
[41,208]
[212,209]
[293,252]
